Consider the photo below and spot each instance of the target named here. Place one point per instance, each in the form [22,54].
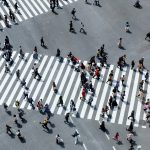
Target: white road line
[6,9]
[113,148]
[37,7]
[2,22]
[147,97]
[46,2]
[2,61]
[25,8]
[64,2]
[21,11]
[12,7]
[7,77]
[3,72]
[95,98]
[74,92]
[46,87]
[84,146]
[30,6]
[85,105]
[61,88]
[103,96]
[133,96]
[18,83]
[114,113]
[115,79]
[139,105]
[27,81]
[60,109]
[18,17]
[13,78]
[34,81]
[70,1]
[40,83]
[57,78]
[60,4]
[78,98]
[41,4]
[123,107]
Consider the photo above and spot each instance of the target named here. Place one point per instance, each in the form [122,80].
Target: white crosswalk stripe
[28,9]
[69,87]
[123,107]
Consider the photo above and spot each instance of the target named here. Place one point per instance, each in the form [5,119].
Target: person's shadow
[122,48]
[45,46]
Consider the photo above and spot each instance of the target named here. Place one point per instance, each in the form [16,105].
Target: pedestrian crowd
[91,69]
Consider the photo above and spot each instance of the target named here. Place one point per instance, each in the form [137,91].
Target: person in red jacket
[83,94]
[96,73]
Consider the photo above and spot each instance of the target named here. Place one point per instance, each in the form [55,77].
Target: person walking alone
[73,13]
[132,115]
[120,43]
[42,41]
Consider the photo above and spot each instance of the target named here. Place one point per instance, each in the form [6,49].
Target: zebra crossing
[28,9]
[69,87]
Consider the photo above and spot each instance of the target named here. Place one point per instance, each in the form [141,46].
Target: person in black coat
[102,126]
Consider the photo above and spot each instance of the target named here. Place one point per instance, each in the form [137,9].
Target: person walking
[110,101]
[127,26]
[42,41]
[132,64]
[75,135]
[10,13]
[120,43]
[71,29]
[110,77]
[36,73]
[130,128]
[21,52]
[102,126]
[72,106]
[60,102]
[132,115]
[116,137]
[73,13]
[122,79]
[7,70]
[5,106]
[96,73]
[82,28]
[58,53]
[45,123]
[146,76]
[8,129]
[18,74]
[141,85]
[23,82]
[83,94]
[16,7]
[17,104]
[122,96]
[25,93]
[57,3]
[54,87]
[67,117]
